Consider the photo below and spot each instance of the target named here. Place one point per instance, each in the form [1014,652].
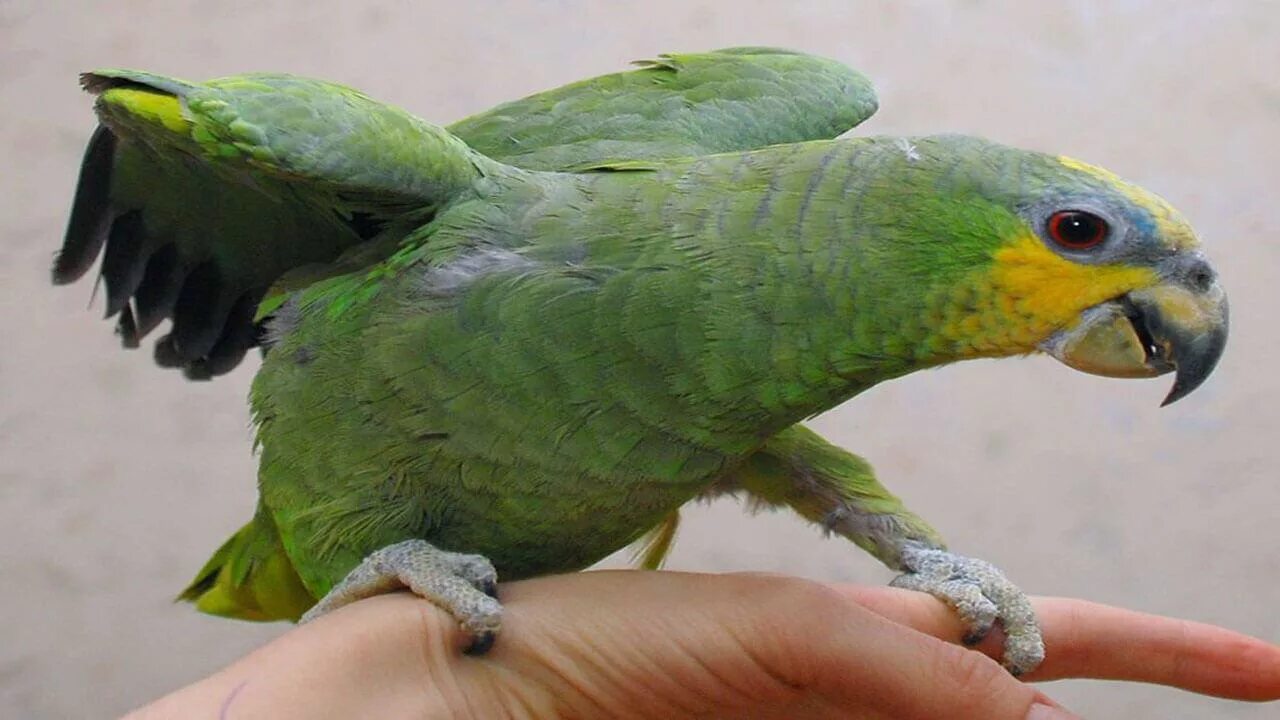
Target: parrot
[511,346]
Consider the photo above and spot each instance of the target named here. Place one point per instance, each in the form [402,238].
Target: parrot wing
[199,196]
[205,198]
[679,105]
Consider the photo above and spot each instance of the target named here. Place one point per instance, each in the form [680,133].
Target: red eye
[1076,229]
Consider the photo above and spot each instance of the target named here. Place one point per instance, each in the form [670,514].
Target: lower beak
[1147,333]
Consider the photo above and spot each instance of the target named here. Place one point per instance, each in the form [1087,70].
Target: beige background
[118,479]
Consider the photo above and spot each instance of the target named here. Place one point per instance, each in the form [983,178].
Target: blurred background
[118,479]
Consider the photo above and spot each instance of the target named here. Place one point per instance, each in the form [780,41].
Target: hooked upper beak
[1179,324]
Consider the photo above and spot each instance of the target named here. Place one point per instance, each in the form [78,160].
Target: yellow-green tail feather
[250,578]
[652,549]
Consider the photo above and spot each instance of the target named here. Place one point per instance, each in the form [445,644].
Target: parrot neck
[830,267]
[781,359]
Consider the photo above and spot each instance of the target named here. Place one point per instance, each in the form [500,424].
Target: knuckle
[808,598]
[787,594]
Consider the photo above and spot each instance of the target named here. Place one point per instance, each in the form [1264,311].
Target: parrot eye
[1076,229]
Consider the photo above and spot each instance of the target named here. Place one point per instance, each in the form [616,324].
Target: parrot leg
[839,491]
[464,585]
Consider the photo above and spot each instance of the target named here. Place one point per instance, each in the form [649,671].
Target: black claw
[490,588]
[975,637]
[481,643]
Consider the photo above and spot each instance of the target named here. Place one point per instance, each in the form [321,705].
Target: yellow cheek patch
[150,106]
[1173,228]
[1047,287]
[1029,292]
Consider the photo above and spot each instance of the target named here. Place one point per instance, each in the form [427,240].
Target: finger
[1101,641]
[859,659]
[1085,639]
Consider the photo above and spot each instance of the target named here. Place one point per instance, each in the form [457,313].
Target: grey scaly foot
[981,595]
[466,586]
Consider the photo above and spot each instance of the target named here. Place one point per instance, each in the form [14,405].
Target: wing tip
[97,82]
[94,83]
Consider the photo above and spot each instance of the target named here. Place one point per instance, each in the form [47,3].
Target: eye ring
[1077,229]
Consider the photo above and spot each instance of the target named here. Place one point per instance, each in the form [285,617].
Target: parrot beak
[1149,332]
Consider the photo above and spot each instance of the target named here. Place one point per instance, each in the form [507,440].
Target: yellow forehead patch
[1094,170]
[1174,229]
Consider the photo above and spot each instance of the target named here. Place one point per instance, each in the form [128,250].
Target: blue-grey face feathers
[1131,235]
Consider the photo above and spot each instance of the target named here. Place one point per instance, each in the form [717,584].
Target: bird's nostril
[1200,275]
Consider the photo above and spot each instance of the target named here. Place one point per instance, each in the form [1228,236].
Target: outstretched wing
[199,196]
[679,105]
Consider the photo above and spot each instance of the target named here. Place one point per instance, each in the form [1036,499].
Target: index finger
[1090,640]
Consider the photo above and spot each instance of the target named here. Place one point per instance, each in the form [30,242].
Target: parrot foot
[466,586]
[981,595]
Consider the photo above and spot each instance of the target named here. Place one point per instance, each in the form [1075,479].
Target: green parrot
[515,345]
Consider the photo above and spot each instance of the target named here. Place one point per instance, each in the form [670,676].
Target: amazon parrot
[513,345]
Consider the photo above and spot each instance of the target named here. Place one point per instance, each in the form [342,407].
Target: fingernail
[1040,711]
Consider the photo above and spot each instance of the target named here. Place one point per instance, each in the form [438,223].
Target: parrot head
[1071,261]
[1172,320]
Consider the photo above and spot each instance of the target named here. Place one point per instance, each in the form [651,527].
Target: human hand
[669,645]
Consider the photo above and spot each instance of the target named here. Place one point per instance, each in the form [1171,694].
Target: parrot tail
[651,550]
[250,577]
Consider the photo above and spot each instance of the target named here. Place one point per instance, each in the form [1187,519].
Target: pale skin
[630,644]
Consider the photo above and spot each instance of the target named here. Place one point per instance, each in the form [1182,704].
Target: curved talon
[481,643]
